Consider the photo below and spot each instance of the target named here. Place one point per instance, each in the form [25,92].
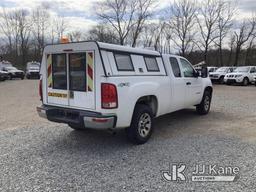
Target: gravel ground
[37,155]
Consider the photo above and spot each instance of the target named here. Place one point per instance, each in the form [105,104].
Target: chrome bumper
[88,119]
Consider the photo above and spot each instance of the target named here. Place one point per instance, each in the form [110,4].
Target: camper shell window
[151,64]
[123,61]
[77,71]
[59,71]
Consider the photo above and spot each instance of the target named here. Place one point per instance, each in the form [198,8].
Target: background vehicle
[14,72]
[32,70]
[104,86]
[3,75]
[219,74]
[241,75]
[212,69]
[5,64]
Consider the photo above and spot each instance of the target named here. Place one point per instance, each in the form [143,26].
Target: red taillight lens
[108,96]
[40,90]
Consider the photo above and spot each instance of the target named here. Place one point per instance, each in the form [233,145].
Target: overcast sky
[81,16]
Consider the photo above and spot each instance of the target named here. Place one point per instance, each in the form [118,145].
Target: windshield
[10,68]
[242,69]
[222,69]
[34,67]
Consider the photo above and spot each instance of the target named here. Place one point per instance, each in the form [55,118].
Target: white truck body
[241,75]
[138,76]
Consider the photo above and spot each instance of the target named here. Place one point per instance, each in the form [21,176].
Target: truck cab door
[178,89]
[193,84]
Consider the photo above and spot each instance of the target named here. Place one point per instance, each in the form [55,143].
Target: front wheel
[221,80]
[204,107]
[245,81]
[141,126]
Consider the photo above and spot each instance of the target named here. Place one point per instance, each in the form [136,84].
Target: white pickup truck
[103,86]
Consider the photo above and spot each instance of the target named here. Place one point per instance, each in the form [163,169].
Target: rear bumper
[33,74]
[81,118]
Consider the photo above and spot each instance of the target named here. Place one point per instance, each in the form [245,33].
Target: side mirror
[196,74]
[204,73]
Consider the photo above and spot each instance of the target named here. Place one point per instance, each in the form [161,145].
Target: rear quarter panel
[131,88]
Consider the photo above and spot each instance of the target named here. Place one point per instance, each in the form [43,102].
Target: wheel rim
[144,125]
[207,101]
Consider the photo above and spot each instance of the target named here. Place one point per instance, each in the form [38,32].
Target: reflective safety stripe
[49,70]
[90,67]
[62,95]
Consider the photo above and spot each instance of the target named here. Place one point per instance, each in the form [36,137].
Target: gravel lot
[37,155]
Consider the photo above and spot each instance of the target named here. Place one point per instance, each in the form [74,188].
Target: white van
[103,86]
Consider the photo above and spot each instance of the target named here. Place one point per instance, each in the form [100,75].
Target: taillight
[40,90]
[108,96]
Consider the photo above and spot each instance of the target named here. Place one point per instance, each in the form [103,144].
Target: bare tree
[40,19]
[103,33]
[231,45]
[142,13]
[75,36]
[225,22]
[120,15]
[60,25]
[6,28]
[243,34]
[152,35]
[21,16]
[182,24]
[207,19]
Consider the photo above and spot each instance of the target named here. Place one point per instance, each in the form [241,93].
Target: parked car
[3,75]
[32,70]
[118,87]
[14,72]
[241,75]
[219,74]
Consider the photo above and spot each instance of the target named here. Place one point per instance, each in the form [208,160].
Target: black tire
[142,125]
[221,80]
[76,127]
[28,77]
[204,107]
[245,81]
[22,78]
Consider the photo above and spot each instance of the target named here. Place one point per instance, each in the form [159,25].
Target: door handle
[188,83]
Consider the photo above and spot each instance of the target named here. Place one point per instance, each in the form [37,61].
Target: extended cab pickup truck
[103,86]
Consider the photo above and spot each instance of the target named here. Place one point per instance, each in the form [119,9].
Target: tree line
[201,31]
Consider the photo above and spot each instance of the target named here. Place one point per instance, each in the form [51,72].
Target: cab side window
[175,67]
[253,70]
[188,70]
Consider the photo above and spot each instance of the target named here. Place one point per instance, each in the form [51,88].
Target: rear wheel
[141,126]
[204,107]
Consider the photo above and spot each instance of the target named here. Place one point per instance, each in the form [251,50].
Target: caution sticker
[61,95]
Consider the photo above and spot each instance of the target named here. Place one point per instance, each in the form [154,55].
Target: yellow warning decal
[49,70]
[61,95]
